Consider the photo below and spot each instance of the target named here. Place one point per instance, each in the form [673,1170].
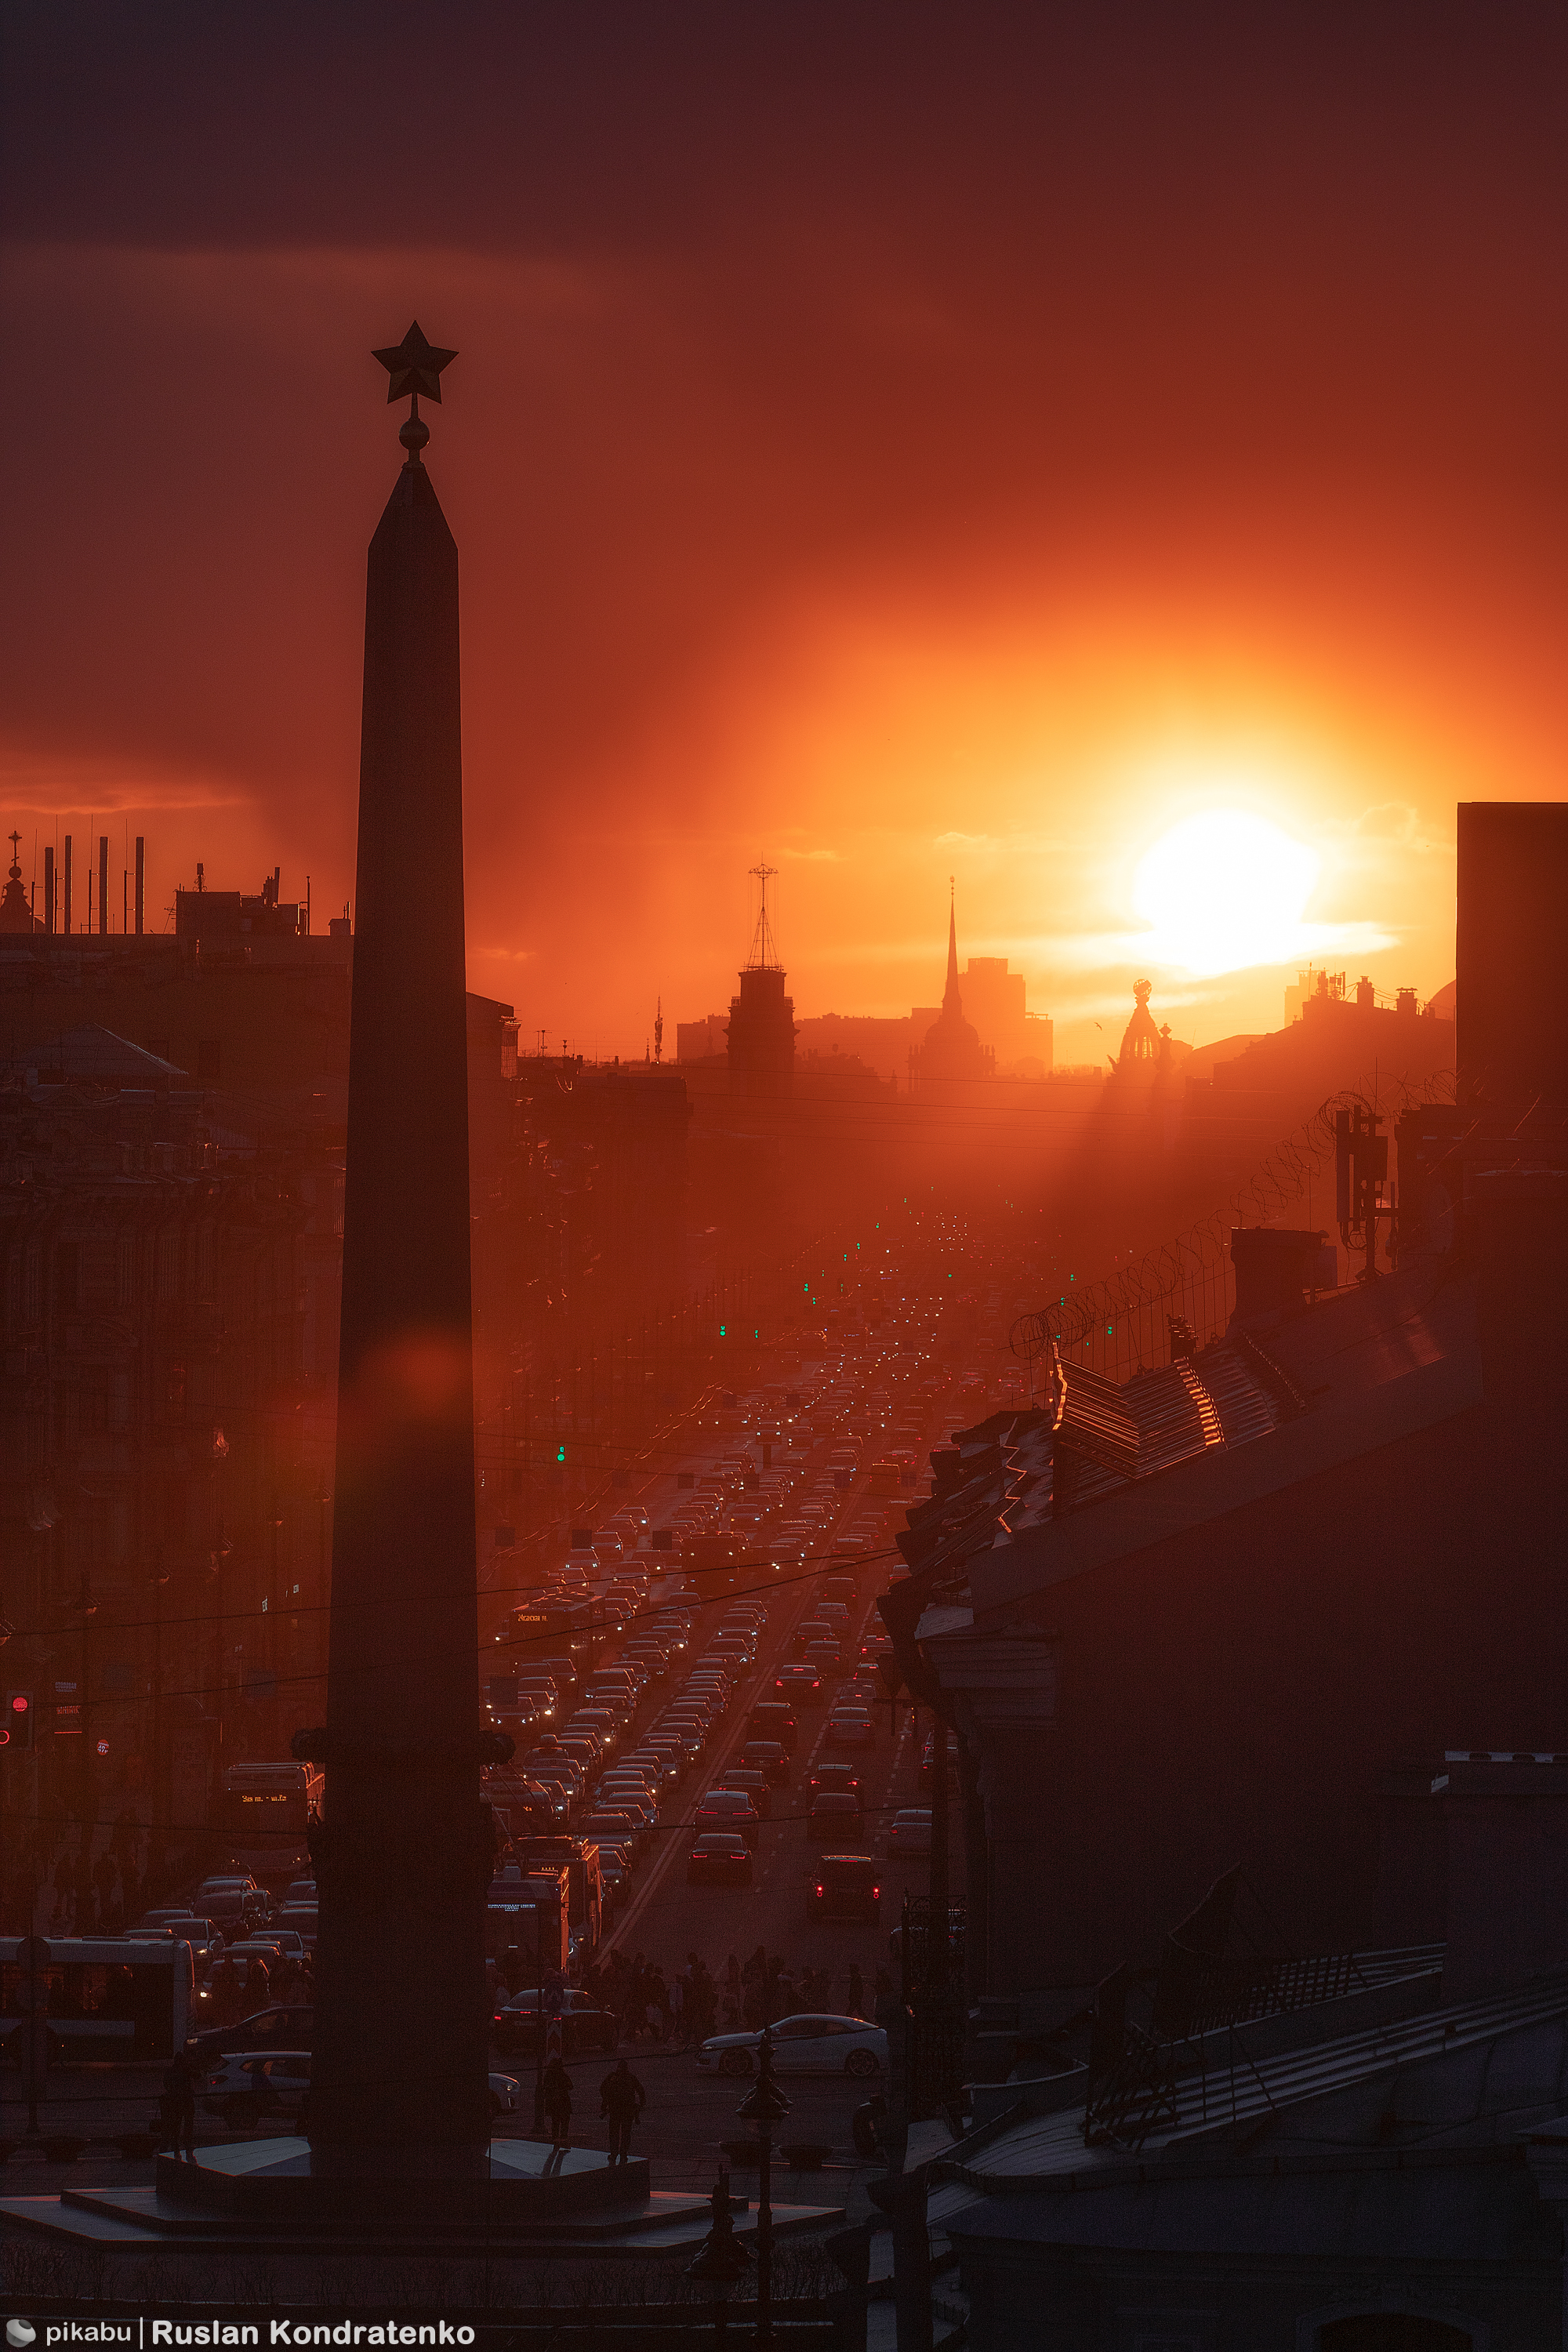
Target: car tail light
[876,1895]
[819,1886]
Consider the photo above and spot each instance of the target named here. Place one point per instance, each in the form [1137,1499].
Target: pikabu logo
[89,2331]
[19,2334]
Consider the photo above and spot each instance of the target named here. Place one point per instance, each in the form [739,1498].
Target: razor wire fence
[1120,1325]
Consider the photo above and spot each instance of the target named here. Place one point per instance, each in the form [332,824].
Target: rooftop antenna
[659,1030]
[764,956]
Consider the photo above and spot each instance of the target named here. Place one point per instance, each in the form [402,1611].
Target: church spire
[952,1002]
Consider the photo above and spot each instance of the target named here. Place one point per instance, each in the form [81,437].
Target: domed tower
[1142,1042]
[15,915]
[952,1047]
[761,1029]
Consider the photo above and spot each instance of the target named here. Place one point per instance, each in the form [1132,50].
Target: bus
[109,1999]
[267,1810]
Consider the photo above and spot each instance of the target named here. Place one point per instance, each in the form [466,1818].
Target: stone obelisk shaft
[399,2074]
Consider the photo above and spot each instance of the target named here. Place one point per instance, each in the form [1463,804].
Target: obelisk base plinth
[282,2180]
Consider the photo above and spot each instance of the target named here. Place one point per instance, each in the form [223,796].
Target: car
[616,1796]
[514,2027]
[768,1756]
[803,2046]
[911,1831]
[290,1944]
[727,1809]
[280,2028]
[614,1823]
[719,1857]
[842,1778]
[266,1948]
[205,1937]
[851,1727]
[835,1816]
[846,1886]
[236,1909]
[300,1890]
[250,2088]
[752,1785]
[772,1719]
[827,1658]
[799,1683]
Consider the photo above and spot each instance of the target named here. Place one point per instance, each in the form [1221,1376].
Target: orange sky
[893,442]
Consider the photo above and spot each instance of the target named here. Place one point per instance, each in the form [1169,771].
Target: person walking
[557,2103]
[180,2103]
[678,2006]
[623,2099]
[857,1991]
[225,1993]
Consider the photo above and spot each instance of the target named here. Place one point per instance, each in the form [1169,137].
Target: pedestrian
[180,2103]
[225,1994]
[258,1986]
[733,1977]
[857,1991]
[677,2009]
[623,2099]
[557,2103]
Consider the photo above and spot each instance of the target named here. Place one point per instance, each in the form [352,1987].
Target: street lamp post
[765,2105]
[721,2260]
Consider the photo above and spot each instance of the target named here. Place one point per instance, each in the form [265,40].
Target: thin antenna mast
[764,956]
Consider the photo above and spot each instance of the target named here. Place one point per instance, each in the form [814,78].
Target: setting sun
[1224,891]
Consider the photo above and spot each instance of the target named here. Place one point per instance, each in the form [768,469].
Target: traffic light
[18,1728]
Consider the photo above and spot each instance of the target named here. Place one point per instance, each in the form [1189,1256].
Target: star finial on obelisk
[413,366]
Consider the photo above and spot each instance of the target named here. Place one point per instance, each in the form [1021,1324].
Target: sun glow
[1225,890]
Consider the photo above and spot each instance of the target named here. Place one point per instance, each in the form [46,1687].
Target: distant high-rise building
[993,999]
[762,1018]
[950,1048]
[700,1041]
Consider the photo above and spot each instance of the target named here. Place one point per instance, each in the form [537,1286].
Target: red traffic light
[103,1747]
[20,1703]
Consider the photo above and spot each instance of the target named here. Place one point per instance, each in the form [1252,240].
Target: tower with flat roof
[761,1032]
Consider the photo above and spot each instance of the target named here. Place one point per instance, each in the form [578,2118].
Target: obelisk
[398,2094]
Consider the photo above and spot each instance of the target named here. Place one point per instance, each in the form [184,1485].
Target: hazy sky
[894,441]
